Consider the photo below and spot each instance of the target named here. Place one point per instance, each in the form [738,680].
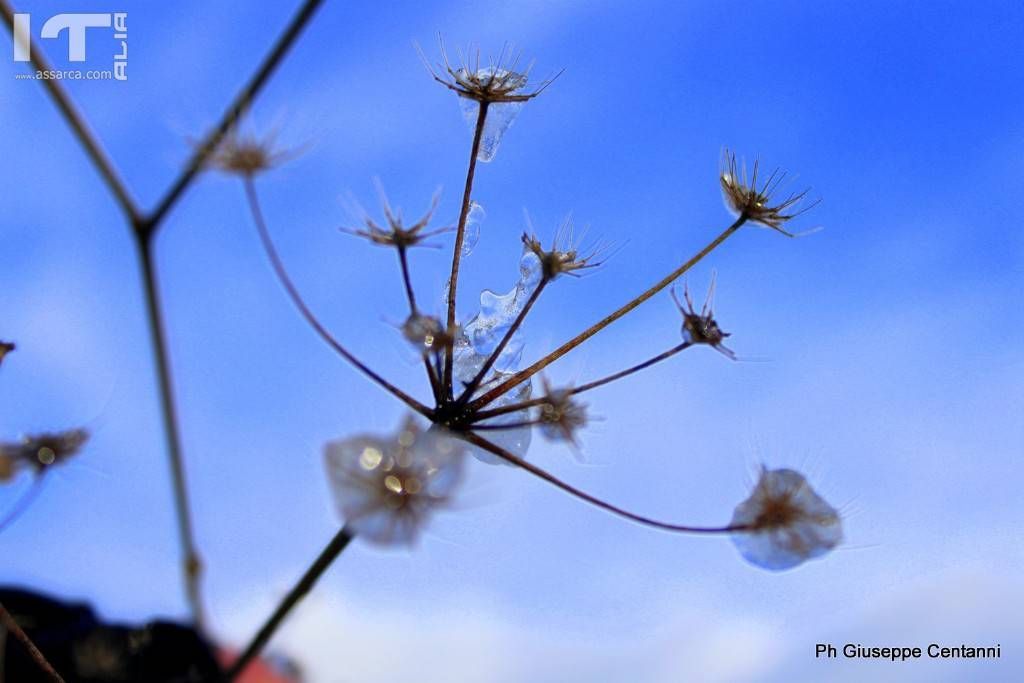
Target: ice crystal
[500,115]
[785,522]
[474,219]
[385,488]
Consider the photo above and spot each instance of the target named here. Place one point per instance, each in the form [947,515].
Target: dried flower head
[701,328]
[5,348]
[246,155]
[560,416]
[396,234]
[385,488]
[497,81]
[566,256]
[756,204]
[40,451]
[784,522]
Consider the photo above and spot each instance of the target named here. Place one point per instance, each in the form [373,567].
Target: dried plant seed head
[701,328]
[757,204]
[566,256]
[5,348]
[496,81]
[499,86]
[386,488]
[425,333]
[40,451]
[784,522]
[560,416]
[395,234]
[247,155]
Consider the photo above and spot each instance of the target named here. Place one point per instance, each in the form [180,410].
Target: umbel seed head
[756,204]
[784,522]
[386,488]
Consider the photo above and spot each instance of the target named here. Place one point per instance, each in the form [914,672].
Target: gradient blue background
[891,340]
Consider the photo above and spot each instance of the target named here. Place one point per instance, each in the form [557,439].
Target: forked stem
[588,498]
[493,358]
[565,348]
[300,304]
[295,595]
[460,235]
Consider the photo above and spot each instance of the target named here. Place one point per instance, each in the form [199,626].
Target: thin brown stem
[191,561]
[492,359]
[295,595]
[93,148]
[565,348]
[304,310]
[403,260]
[504,410]
[233,113]
[453,281]
[629,371]
[586,497]
[11,625]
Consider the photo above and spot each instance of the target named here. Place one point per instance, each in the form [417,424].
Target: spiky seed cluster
[246,155]
[756,204]
[701,328]
[41,450]
[495,82]
[784,522]
[5,348]
[560,416]
[396,234]
[386,487]
[561,259]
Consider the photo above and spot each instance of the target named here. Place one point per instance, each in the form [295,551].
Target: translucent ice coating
[386,487]
[787,522]
[500,115]
[474,219]
[480,337]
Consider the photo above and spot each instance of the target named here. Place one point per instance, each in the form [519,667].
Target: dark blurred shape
[83,649]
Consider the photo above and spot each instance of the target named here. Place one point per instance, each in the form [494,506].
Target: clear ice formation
[479,337]
[790,522]
[474,219]
[500,115]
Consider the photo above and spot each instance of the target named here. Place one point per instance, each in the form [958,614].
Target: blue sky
[888,345]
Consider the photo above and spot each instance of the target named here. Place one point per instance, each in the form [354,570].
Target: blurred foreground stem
[9,624]
[295,595]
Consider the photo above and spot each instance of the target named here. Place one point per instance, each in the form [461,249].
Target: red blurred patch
[258,671]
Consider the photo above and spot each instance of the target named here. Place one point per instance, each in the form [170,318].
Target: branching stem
[565,348]
[304,310]
[492,359]
[588,498]
[460,235]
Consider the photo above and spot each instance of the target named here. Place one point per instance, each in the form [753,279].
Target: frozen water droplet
[500,116]
[479,338]
[474,219]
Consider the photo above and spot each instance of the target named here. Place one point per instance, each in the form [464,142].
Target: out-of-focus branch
[93,149]
[295,595]
[8,622]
